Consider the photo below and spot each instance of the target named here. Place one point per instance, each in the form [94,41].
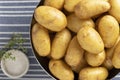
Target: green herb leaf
[16,40]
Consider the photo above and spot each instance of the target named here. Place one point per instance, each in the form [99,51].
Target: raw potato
[51,18]
[116,57]
[75,24]
[95,59]
[93,73]
[41,40]
[80,66]
[109,54]
[54,3]
[108,29]
[90,40]
[60,44]
[108,61]
[98,20]
[61,70]
[115,9]
[70,5]
[74,53]
[86,9]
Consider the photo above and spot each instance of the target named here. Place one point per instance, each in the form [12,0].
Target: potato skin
[86,9]
[95,59]
[116,57]
[90,40]
[108,28]
[115,9]
[75,24]
[74,53]
[41,40]
[60,44]
[82,64]
[54,3]
[93,73]
[109,55]
[61,70]
[70,5]
[51,18]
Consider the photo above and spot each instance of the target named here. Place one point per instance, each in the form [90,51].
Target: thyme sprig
[16,42]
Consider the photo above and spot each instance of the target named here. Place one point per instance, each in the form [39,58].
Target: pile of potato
[79,36]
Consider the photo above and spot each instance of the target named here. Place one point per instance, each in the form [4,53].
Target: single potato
[95,59]
[41,40]
[115,9]
[54,3]
[116,56]
[86,9]
[74,53]
[75,24]
[93,73]
[82,64]
[51,18]
[60,44]
[108,29]
[90,40]
[61,70]
[70,5]
[109,54]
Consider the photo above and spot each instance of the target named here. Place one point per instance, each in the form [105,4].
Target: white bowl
[15,68]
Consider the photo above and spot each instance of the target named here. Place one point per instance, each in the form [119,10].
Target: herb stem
[16,40]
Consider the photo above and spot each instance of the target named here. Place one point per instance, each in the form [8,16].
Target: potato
[86,9]
[116,56]
[108,61]
[108,64]
[82,64]
[70,5]
[75,24]
[93,73]
[115,9]
[74,53]
[109,54]
[54,3]
[98,18]
[108,29]
[41,40]
[95,59]
[60,44]
[90,40]
[60,70]
[51,18]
